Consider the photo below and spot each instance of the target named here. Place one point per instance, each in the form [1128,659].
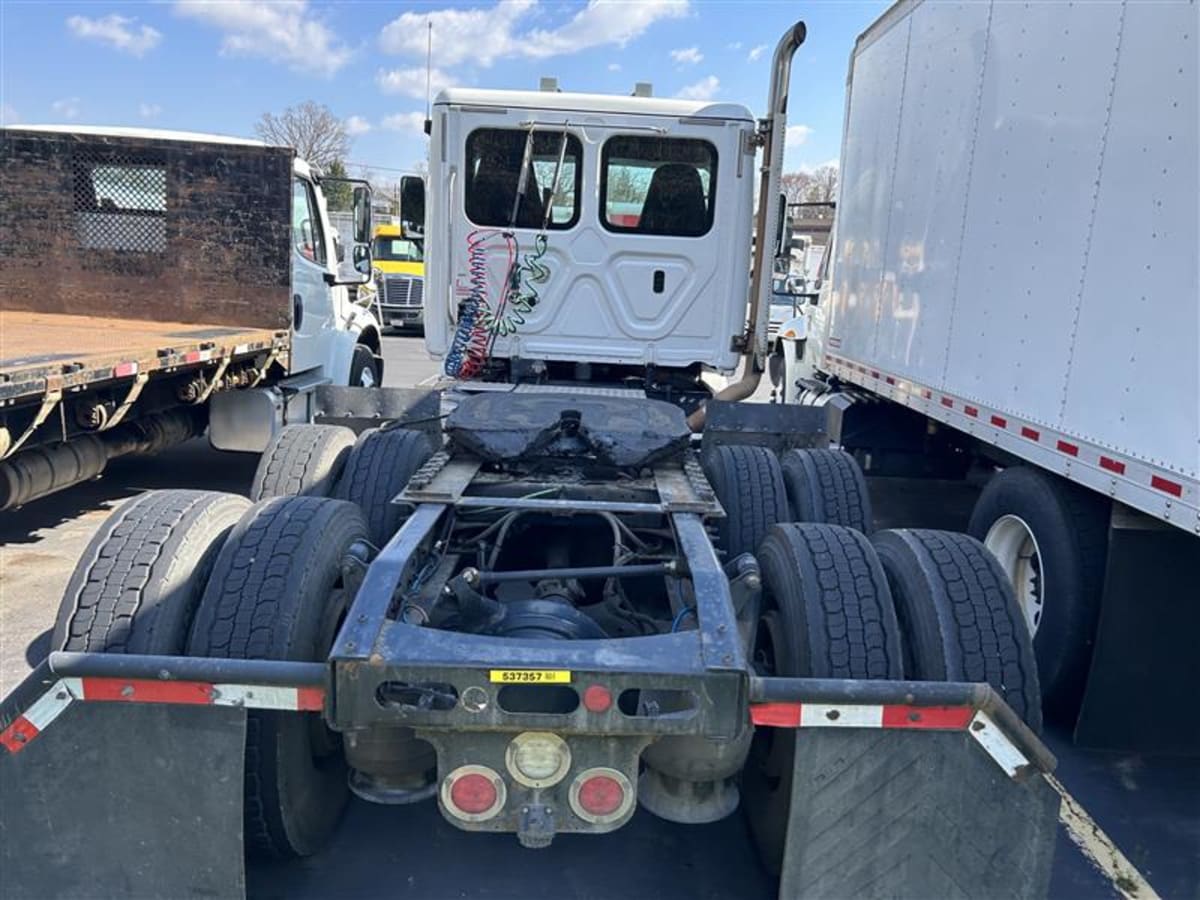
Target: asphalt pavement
[1149,807]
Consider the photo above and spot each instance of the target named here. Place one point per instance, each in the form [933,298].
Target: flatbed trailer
[147,278]
[45,352]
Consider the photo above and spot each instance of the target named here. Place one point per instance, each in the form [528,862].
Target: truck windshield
[392,249]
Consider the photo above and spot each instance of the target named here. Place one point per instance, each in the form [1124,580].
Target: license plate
[529,676]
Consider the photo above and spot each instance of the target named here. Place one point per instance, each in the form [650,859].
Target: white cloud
[8,115]
[756,52]
[614,67]
[356,125]
[704,89]
[482,35]
[797,135]
[735,45]
[410,121]
[149,110]
[687,56]
[67,107]
[411,82]
[119,32]
[284,31]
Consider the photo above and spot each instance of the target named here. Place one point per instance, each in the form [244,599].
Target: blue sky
[216,66]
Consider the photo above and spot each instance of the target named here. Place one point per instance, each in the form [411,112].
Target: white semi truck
[1013,290]
[583,595]
[155,284]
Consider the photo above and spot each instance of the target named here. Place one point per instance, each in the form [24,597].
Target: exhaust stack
[771,132]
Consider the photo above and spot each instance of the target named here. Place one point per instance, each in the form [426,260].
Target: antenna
[428,69]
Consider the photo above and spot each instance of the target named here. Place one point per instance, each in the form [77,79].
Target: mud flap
[895,813]
[123,800]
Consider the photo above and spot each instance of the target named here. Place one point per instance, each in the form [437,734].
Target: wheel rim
[1012,542]
[367,378]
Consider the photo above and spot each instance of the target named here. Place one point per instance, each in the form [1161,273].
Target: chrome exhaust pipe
[773,130]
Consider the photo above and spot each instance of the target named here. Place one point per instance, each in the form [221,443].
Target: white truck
[1013,289]
[586,598]
[154,284]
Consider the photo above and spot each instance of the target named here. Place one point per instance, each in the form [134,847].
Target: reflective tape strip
[34,720]
[895,716]
[996,743]
[829,715]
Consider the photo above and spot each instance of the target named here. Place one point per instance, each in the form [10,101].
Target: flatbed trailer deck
[40,352]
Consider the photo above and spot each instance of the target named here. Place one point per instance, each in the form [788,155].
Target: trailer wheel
[828,614]
[137,584]
[958,616]
[827,486]
[364,368]
[1051,539]
[749,484]
[382,461]
[302,460]
[274,593]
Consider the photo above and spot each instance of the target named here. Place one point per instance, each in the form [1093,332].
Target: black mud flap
[120,799]
[920,814]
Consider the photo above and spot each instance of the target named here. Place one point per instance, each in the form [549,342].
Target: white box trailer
[1015,263]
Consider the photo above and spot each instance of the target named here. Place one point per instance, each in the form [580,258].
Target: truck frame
[544,595]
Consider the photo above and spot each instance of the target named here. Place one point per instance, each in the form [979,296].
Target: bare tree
[795,186]
[311,128]
[824,185]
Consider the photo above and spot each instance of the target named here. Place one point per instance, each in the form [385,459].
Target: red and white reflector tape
[48,707]
[896,716]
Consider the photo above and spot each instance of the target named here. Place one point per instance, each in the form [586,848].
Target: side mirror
[361,242]
[412,204]
[362,260]
[362,214]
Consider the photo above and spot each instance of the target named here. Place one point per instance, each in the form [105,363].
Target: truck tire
[958,616]
[826,486]
[274,593]
[137,584]
[749,484]
[828,614]
[382,461]
[364,368]
[302,460]
[1051,539]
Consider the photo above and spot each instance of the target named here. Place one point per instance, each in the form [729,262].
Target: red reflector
[890,380]
[1031,433]
[601,795]
[473,793]
[947,402]
[1113,465]
[927,394]
[17,735]
[597,698]
[125,369]
[971,411]
[310,698]
[1069,449]
[874,374]
[1175,490]
[1000,421]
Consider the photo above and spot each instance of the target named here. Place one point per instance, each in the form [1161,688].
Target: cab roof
[593,104]
[157,134]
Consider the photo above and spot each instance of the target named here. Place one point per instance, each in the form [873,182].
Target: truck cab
[399,276]
[588,237]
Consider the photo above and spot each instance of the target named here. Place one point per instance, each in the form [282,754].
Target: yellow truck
[399,276]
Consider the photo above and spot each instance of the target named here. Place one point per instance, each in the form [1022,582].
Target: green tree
[338,194]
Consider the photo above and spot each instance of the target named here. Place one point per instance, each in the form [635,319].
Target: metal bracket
[50,401]
[266,366]
[135,391]
[215,380]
